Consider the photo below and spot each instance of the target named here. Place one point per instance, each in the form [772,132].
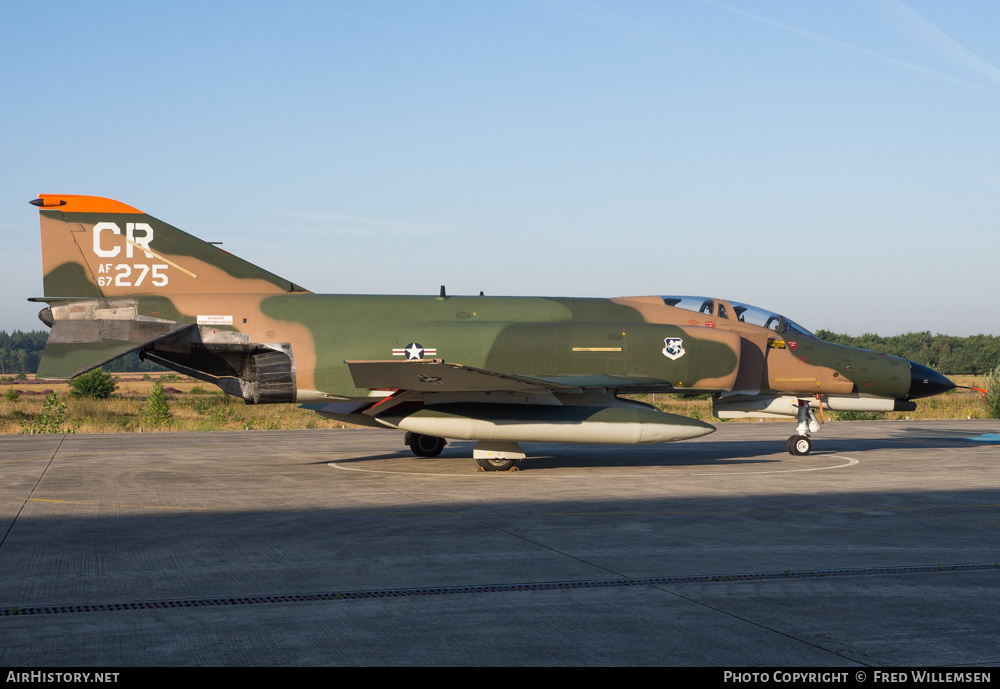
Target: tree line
[973,355]
[20,351]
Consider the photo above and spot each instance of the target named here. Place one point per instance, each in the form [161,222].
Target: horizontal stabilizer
[75,347]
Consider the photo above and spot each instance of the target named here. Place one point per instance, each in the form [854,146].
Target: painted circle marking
[850,461]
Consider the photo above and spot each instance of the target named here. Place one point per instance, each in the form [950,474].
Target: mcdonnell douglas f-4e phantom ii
[496,370]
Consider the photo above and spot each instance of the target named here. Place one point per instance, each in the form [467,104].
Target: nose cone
[925,381]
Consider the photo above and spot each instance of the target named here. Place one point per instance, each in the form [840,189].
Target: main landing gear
[490,456]
[424,445]
[801,444]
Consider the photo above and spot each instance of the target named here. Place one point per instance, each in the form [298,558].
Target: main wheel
[496,464]
[426,445]
[799,445]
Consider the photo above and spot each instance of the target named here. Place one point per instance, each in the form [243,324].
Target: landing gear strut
[424,445]
[801,444]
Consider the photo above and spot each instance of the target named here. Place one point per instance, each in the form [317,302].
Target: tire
[497,464]
[799,445]
[426,445]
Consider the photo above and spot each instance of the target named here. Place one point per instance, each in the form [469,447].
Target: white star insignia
[414,351]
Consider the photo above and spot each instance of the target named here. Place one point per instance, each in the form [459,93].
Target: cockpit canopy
[744,313]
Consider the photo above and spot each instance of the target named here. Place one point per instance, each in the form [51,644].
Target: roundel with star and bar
[414,350]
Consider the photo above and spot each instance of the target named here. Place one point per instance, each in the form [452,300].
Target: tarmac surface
[589,555]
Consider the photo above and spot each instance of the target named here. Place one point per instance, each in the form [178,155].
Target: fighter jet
[496,370]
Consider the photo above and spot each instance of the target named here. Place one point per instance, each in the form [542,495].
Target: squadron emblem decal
[673,347]
[414,350]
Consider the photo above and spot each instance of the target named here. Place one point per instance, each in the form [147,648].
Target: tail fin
[97,247]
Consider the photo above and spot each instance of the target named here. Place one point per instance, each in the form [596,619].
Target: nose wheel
[799,445]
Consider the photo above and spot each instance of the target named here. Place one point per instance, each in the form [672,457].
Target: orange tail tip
[74,203]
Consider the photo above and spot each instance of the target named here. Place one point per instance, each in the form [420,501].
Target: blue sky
[837,161]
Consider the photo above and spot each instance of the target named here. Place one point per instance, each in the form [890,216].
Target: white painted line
[602,475]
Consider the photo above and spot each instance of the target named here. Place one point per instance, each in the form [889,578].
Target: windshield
[790,327]
[770,320]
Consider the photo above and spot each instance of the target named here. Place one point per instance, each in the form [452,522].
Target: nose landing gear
[800,444]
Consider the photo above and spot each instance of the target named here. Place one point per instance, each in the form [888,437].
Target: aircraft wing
[434,375]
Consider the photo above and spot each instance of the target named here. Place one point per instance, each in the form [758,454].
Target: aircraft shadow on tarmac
[692,454]
[568,456]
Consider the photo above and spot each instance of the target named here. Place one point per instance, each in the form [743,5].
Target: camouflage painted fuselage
[606,343]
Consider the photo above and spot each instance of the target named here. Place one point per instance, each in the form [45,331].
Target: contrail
[863,51]
[937,40]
